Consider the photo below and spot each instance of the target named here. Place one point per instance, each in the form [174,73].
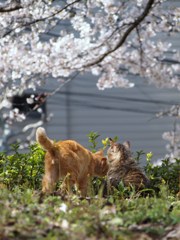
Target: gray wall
[128,113]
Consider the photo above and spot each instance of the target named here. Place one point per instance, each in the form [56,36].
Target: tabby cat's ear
[111,141]
[127,144]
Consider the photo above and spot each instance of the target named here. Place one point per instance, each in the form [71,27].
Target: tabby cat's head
[118,152]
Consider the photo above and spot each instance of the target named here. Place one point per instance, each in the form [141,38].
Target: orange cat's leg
[68,183]
[83,185]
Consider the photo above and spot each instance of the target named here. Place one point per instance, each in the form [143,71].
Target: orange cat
[69,157]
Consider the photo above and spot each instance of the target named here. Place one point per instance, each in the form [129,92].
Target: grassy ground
[123,215]
[24,216]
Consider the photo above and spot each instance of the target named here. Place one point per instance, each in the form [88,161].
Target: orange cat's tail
[43,140]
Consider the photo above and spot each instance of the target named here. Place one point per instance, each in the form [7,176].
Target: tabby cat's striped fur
[122,167]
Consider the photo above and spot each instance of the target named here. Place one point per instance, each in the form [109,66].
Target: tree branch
[140,46]
[6,10]
[41,19]
[126,34]
[10,7]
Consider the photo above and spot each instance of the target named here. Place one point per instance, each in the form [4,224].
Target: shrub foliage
[25,169]
[22,169]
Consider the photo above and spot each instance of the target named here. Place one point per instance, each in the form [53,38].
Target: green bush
[165,174]
[22,169]
[25,169]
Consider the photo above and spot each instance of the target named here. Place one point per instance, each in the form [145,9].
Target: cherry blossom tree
[173,137]
[108,38]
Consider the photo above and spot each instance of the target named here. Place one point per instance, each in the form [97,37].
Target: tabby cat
[122,167]
[71,160]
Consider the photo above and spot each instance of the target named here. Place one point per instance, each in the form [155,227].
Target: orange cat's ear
[100,152]
[127,144]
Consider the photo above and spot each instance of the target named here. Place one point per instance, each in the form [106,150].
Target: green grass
[123,216]
[23,216]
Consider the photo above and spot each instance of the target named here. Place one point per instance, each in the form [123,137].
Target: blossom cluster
[89,43]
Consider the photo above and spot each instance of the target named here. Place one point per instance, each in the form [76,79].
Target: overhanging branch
[6,10]
[10,6]
[40,19]
[133,26]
